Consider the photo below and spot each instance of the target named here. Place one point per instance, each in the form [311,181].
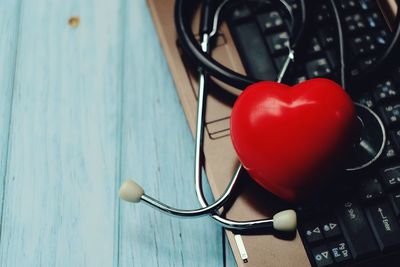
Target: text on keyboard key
[391,177]
[384,225]
[370,190]
[318,68]
[366,100]
[340,251]
[270,21]
[278,43]
[391,115]
[389,152]
[356,229]
[385,90]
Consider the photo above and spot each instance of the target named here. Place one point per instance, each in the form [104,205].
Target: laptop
[321,247]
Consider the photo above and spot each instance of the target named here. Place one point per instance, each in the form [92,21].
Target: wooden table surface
[86,103]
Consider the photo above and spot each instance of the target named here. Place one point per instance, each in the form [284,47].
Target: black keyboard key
[395,136]
[314,47]
[278,43]
[271,21]
[326,37]
[371,190]
[395,199]
[330,227]
[354,70]
[384,225]
[340,251]
[391,115]
[253,52]
[348,5]
[366,100]
[322,257]
[318,68]
[362,45]
[366,62]
[389,153]
[240,13]
[396,75]
[391,177]
[354,23]
[313,232]
[385,91]
[357,45]
[381,38]
[367,4]
[374,21]
[322,13]
[332,57]
[356,229]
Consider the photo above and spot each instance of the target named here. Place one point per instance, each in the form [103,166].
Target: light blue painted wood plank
[60,192]
[9,26]
[157,150]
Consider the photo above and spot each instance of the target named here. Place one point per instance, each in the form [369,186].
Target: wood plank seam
[118,178]
[8,147]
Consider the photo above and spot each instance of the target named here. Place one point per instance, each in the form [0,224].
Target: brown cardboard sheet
[252,202]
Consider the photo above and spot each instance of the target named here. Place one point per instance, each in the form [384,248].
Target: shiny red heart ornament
[290,139]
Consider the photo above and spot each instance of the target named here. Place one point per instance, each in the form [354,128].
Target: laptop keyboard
[357,222]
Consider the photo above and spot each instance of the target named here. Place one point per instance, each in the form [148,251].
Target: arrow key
[321,256]
[330,227]
[313,232]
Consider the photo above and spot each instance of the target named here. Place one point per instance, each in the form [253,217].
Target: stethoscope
[366,150]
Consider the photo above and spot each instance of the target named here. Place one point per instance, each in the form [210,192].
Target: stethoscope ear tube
[191,48]
[188,42]
[284,221]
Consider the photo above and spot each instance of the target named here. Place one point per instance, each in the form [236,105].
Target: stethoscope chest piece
[371,142]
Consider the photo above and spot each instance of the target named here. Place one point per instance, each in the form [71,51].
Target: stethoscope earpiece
[285,221]
[131,191]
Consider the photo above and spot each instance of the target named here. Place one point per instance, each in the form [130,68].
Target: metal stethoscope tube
[202,100]
[131,191]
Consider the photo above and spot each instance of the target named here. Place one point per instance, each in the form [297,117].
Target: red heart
[290,139]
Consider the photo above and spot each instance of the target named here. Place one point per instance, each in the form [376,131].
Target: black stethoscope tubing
[191,47]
